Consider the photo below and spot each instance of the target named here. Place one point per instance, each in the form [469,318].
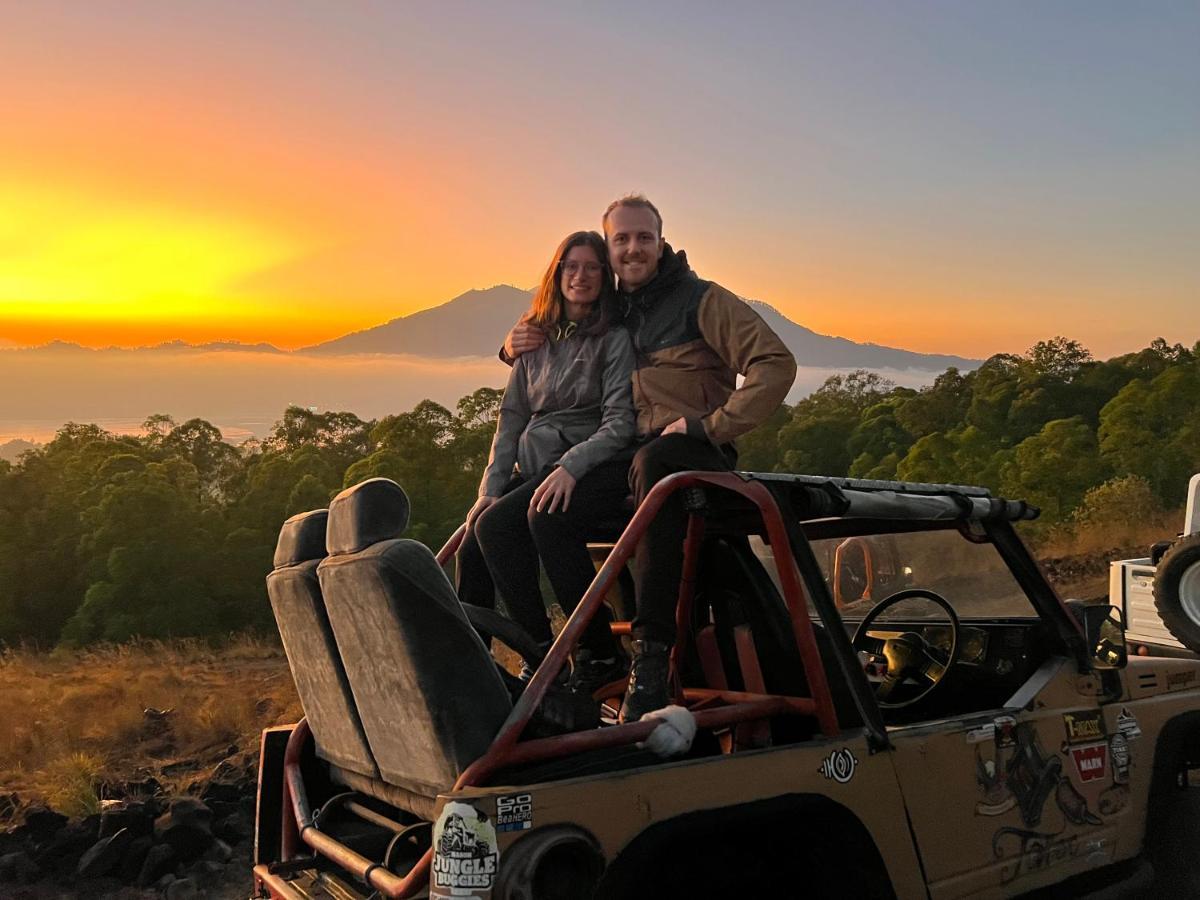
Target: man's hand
[480,505]
[679,426]
[525,336]
[557,487]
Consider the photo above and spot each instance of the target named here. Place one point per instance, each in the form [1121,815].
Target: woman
[565,421]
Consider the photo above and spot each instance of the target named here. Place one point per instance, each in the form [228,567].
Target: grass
[72,721]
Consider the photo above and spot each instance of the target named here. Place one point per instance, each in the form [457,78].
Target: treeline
[170,533]
[1047,427]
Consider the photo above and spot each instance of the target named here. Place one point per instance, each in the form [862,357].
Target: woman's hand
[554,490]
[480,505]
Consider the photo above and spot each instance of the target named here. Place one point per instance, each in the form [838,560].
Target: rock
[156,721]
[102,857]
[41,823]
[218,851]
[186,826]
[206,871]
[159,860]
[222,791]
[134,815]
[18,867]
[233,829]
[223,808]
[165,882]
[134,858]
[65,848]
[183,889]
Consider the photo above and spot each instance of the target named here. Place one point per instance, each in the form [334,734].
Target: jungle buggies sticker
[466,858]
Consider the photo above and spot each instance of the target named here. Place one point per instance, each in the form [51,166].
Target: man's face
[634,245]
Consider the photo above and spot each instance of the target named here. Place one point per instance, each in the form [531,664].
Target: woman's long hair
[546,310]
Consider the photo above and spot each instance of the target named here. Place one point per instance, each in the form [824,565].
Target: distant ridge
[474,324]
[164,347]
[812,349]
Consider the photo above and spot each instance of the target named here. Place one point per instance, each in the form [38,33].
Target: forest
[170,532]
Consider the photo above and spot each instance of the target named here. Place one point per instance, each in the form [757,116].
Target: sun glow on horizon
[74,256]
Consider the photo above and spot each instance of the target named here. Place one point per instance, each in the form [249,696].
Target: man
[692,338]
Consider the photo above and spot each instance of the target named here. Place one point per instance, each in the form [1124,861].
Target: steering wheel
[908,654]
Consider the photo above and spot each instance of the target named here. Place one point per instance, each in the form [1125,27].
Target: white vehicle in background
[1160,595]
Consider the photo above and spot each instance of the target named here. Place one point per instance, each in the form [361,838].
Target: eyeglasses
[571,267]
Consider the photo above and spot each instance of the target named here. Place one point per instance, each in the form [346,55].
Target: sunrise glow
[224,172]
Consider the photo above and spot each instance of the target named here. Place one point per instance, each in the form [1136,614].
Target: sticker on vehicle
[1084,726]
[1119,749]
[514,812]
[839,765]
[1127,724]
[1091,761]
[466,858]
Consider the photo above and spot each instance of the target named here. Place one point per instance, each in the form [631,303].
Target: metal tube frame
[505,750]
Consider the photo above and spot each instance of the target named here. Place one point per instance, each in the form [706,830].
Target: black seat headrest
[372,511]
[302,538]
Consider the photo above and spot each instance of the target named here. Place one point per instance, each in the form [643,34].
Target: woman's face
[581,275]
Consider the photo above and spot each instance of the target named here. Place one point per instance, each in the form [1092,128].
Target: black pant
[501,553]
[660,556]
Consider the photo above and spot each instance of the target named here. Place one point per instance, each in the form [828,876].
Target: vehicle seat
[311,651]
[426,687]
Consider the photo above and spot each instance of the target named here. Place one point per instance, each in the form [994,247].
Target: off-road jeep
[945,727]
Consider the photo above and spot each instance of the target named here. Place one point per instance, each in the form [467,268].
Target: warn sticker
[466,858]
[1091,762]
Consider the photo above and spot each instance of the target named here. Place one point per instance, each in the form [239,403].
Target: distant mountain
[475,323]
[812,349]
[165,347]
[10,451]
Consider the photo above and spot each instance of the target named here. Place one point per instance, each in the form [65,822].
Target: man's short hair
[638,200]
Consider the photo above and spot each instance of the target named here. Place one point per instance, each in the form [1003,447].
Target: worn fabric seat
[426,687]
[309,644]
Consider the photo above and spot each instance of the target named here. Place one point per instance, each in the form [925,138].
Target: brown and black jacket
[691,340]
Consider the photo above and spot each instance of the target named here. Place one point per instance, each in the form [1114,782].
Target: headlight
[559,862]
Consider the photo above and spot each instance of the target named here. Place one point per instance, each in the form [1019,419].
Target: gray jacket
[568,402]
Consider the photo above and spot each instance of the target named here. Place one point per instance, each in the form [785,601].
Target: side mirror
[1104,629]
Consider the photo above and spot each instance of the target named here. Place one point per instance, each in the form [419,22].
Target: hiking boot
[648,687]
[590,673]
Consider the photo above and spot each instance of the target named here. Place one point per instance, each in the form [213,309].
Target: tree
[1058,357]
[1054,468]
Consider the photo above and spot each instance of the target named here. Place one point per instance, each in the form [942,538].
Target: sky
[940,176]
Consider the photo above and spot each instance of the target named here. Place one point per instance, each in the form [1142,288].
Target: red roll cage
[712,708]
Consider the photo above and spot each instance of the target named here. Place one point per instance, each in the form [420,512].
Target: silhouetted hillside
[472,324]
[10,451]
[475,323]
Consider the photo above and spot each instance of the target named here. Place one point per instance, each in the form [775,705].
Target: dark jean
[501,553]
[660,555]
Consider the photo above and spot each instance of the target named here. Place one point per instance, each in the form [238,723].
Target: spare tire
[1177,591]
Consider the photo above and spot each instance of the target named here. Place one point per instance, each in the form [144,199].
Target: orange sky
[217,172]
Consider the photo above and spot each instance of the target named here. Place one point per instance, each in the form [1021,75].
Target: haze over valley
[441,354]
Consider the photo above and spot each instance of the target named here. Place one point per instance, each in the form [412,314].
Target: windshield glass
[860,571]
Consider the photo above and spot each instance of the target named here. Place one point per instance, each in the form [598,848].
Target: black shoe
[590,673]
[648,688]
